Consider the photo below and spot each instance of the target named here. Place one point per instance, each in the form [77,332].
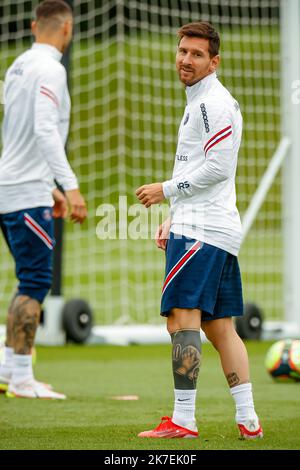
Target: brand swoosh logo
[185,399]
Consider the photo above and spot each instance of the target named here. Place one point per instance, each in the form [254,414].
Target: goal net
[127,104]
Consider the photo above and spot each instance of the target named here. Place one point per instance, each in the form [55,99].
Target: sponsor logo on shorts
[47,214]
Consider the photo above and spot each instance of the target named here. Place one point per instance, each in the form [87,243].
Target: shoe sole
[14,395]
[248,438]
[188,436]
[4,387]
[166,437]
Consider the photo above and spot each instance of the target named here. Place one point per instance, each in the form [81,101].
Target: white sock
[22,368]
[6,365]
[242,395]
[184,408]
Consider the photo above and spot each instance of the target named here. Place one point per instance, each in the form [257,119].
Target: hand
[78,210]
[150,194]
[162,234]
[60,208]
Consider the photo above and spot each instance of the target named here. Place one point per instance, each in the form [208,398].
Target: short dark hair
[51,9]
[202,29]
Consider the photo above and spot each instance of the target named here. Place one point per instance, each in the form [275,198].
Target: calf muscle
[26,315]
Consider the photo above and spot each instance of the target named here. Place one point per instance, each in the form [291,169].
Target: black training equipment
[249,326]
[77,320]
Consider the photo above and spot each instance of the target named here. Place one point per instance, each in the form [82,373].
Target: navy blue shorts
[29,235]
[201,276]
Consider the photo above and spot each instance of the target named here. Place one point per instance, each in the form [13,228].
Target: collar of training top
[51,50]
[200,87]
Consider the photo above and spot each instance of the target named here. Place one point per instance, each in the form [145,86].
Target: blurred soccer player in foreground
[35,129]
[202,238]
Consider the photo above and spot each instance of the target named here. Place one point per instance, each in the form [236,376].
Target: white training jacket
[202,189]
[34,132]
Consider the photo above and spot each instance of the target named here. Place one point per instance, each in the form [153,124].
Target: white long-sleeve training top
[202,189]
[34,132]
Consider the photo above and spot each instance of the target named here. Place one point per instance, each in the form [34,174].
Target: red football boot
[168,429]
[251,430]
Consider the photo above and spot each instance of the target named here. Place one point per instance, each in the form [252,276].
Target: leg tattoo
[186,358]
[233,379]
[26,314]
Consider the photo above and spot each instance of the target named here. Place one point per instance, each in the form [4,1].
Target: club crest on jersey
[204,115]
[186,119]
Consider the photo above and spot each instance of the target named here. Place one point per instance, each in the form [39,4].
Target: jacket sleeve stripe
[217,141]
[216,135]
[50,94]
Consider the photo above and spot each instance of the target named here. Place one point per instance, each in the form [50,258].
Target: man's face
[193,61]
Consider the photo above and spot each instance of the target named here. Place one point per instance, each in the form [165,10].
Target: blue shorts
[201,276]
[29,235]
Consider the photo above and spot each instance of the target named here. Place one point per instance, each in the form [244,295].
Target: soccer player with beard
[202,238]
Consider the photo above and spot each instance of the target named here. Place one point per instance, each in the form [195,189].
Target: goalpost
[290,125]
[127,103]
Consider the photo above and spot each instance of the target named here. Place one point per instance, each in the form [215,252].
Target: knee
[25,311]
[219,331]
[210,336]
[180,319]
[172,324]
[177,322]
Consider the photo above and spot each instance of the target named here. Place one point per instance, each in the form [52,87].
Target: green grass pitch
[90,419]
[90,376]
